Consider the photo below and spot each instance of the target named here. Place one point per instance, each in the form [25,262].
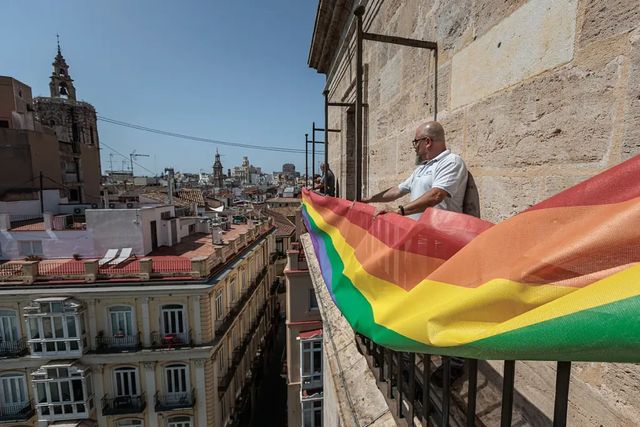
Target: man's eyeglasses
[417,141]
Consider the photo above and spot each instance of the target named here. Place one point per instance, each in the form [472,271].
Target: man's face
[421,145]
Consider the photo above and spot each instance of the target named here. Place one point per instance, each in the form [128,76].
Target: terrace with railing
[386,387]
[117,343]
[121,405]
[222,326]
[22,411]
[195,257]
[172,401]
[15,348]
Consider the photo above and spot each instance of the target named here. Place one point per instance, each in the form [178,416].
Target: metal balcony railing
[414,392]
[17,412]
[172,401]
[171,340]
[223,325]
[118,343]
[14,348]
[121,405]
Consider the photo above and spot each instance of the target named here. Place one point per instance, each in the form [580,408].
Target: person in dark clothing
[327,184]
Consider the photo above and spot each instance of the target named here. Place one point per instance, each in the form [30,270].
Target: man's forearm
[427,200]
[388,195]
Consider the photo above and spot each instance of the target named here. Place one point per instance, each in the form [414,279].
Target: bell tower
[217,171]
[61,84]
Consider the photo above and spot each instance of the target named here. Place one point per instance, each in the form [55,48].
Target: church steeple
[61,84]
[218,180]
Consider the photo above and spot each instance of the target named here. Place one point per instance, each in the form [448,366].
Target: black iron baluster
[400,380]
[507,392]
[563,375]
[446,389]
[472,390]
[411,397]
[426,388]
[390,372]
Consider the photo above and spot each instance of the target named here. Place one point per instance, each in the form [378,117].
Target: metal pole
[435,86]
[563,377]
[41,193]
[507,393]
[306,160]
[326,129]
[359,12]
[313,154]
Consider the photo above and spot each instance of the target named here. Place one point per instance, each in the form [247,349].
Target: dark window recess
[4,123]
[74,195]
[75,134]
[91,134]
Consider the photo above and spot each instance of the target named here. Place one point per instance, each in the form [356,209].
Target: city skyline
[193,95]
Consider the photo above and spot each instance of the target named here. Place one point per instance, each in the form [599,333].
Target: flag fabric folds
[559,281]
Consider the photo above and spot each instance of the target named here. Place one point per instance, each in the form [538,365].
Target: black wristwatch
[401,208]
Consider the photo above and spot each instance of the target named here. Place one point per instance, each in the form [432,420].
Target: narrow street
[271,409]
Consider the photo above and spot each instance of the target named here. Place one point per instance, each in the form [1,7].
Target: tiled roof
[284,227]
[191,195]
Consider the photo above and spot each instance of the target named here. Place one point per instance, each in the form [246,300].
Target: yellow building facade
[163,353]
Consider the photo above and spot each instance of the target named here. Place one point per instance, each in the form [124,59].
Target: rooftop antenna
[135,155]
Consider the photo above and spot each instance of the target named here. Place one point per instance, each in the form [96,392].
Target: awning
[307,335]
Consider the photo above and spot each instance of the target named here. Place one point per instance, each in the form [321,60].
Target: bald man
[439,180]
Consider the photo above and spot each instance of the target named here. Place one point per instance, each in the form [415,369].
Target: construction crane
[135,155]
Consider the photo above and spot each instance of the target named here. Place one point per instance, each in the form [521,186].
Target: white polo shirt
[448,172]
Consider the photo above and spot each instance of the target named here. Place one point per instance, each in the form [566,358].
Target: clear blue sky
[227,70]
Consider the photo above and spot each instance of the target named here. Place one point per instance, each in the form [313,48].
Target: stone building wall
[75,125]
[535,95]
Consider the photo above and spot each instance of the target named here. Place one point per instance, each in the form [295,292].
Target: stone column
[146,326]
[146,267]
[47,218]
[29,272]
[194,303]
[93,332]
[201,393]
[150,391]
[199,266]
[91,270]
[99,392]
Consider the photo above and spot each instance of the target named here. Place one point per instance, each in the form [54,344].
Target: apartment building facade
[181,350]
[304,344]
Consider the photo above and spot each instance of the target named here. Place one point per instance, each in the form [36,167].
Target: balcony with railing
[23,411]
[14,348]
[173,401]
[117,343]
[223,324]
[421,389]
[239,352]
[171,340]
[121,405]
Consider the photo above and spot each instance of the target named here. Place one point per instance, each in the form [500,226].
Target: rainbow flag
[559,281]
